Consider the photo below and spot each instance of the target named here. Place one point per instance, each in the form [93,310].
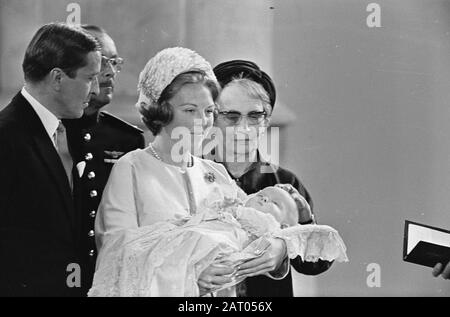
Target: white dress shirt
[48,119]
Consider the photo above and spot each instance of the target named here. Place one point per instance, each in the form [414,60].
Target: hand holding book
[441,269]
[426,245]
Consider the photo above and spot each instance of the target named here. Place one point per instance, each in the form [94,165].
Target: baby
[280,211]
[283,202]
[169,256]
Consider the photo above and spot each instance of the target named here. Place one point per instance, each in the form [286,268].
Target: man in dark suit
[97,141]
[39,252]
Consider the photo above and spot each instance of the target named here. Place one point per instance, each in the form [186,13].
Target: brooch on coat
[210,177]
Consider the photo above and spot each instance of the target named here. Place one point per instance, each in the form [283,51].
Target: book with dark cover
[426,245]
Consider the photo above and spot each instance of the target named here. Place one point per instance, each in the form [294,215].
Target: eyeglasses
[235,117]
[115,62]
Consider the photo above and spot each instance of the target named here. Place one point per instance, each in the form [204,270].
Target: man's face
[75,93]
[106,79]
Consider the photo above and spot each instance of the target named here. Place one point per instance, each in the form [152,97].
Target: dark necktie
[63,151]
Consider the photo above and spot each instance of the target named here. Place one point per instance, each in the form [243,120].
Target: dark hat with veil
[227,71]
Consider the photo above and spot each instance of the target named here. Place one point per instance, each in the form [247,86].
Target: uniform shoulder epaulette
[119,123]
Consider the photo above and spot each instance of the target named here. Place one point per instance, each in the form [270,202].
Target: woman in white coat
[165,181]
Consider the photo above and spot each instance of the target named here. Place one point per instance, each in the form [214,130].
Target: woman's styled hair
[253,90]
[156,116]
[57,45]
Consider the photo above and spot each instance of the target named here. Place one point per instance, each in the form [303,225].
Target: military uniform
[96,143]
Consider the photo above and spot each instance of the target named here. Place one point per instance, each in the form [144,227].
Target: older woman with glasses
[245,107]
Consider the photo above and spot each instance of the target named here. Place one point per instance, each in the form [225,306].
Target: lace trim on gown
[313,243]
[166,258]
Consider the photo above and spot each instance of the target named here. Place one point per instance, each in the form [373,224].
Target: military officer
[96,142]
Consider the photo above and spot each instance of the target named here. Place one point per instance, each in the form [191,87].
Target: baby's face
[275,201]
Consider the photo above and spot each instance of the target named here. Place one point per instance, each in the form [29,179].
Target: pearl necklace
[154,153]
[190,195]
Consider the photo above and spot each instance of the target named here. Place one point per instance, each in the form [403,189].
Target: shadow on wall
[372,139]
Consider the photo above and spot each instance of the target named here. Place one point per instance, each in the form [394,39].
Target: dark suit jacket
[37,216]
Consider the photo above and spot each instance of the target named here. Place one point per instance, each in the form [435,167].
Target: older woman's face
[193,113]
[240,138]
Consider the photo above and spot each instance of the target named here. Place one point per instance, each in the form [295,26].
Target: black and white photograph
[224,148]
